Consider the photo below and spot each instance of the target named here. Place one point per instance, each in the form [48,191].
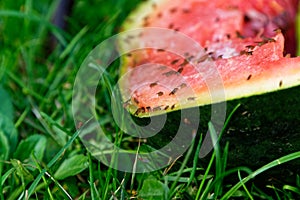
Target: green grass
[41,156]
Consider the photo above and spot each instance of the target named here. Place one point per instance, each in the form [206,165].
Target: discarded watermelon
[243,40]
[249,43]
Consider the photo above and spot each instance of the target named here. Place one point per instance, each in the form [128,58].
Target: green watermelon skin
[263,128]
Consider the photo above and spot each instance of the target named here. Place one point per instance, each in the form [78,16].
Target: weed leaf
[153,189]
[8,129]
[6,107]
[71,167]
[4,147]
[33,144]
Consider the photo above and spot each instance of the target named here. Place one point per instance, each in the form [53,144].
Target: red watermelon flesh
[239,39]
[216,19]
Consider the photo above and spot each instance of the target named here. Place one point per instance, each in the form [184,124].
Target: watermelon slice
[242,51]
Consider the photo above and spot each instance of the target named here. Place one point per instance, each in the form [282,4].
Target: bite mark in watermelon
[244,40]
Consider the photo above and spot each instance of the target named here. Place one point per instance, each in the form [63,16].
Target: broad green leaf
[6,107]
[8,128]
[153,189]
[71,167]
[4,147]
[4,151]
[33,144]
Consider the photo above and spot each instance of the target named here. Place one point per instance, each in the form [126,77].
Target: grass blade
[292,188]
[54,159]
[56,31]
[245,188]
[195,161]
[274,163]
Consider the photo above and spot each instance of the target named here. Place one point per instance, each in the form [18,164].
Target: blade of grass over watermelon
[282,160]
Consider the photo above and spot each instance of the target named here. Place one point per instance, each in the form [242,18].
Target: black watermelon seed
[180,70]
[280,83]
[247,18]
[184,63]
[173,91]
[182,85]
[169,73]
[269,39]
[248,53]
[160,93]
[250,47]
[166,107]
[190,58]
[174,62]
[265,40]
[157,108]
[160,50]
[203,58]
[248,78]
[139,110]
[173,106]
[153,84]
[171,26]
[185,10]
[191,98]
[277,30]
[135,100]
[261,43]
[239,35]
[173,10]
[186,54]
